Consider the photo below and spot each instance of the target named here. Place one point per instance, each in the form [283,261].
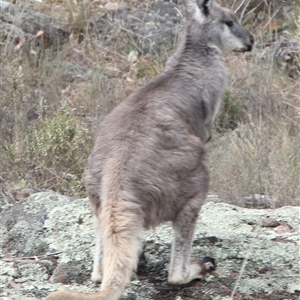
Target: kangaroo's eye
[229,23]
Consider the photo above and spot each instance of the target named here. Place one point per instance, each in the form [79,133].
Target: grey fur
[148,164]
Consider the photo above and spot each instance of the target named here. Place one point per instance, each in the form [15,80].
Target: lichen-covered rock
[151,29]
[284,51]
[59,254]
[21,25]
[287,56]
[6,198]
[23,226]
[155,28]
[72,71]
[71,272]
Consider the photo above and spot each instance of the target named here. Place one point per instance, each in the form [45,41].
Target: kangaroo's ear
[205,6]
[199,9]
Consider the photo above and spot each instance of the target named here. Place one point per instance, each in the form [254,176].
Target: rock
[73,71]
[284,51]
[261,201]
[22,193]
[22,232]
[153,29]
[11,32]
[6,198]
[113,6]
[269,222]
[48,239]
[24,26]
[4,4]
[156,28]
[71,272]
[287,56]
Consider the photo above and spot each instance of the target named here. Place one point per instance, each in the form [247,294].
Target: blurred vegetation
[231,114]
[50,154]
[49,116]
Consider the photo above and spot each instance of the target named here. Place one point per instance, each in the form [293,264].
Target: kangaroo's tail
[122,226]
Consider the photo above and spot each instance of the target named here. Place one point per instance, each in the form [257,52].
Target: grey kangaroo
[148,163]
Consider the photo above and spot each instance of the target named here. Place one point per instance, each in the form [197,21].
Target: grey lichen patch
[69,229]
[32,272]
[18,296]
[45,201]
[294,286]
[25,238]
[233,220]
[47,287]
[7,269]
[139,291]
[256,285]
[39,290]
[161,234]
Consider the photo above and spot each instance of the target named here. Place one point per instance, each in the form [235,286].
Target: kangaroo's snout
[247,45]
[251,43]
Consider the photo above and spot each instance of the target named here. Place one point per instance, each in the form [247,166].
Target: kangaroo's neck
[191,52]
[200,70]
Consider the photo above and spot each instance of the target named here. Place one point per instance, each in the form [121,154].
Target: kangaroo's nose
[251,42]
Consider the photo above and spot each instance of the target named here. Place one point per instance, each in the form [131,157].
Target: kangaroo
[148,164]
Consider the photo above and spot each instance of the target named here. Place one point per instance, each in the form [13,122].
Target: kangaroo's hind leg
[98,256]
[181,271]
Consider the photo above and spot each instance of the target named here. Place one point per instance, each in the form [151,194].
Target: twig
[244,10]
[271,18]
[238,8]
[30,257]
[240,273]
[253,9]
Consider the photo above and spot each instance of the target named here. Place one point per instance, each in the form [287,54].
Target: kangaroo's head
[220,26]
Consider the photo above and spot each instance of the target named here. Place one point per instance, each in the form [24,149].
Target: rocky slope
[47,241]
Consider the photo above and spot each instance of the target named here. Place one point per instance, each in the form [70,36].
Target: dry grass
[260,156]
[40,90]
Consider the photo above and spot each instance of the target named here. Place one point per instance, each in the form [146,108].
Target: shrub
[230,115]
[52,154]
